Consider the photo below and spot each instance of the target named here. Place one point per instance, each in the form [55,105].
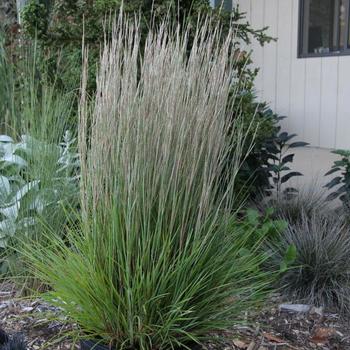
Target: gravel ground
[271,329]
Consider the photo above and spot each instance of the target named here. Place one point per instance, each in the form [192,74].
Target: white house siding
[313,92]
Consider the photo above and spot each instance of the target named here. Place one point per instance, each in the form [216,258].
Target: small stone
[3,306]
[297,308]
[27,309]
[317,311]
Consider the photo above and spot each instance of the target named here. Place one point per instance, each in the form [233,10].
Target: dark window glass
[342,24]
[226,4]
[324,27]
[320,26]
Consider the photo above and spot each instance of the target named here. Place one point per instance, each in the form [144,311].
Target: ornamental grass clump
[39,167]
[155,261]
[321,274]
[293,208]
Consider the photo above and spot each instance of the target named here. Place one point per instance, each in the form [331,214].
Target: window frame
[303,33]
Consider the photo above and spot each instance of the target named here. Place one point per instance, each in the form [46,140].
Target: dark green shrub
[58,25]
[278,153]
[341,183]
[266,168]
[62,20]
[8,16]
[35,18]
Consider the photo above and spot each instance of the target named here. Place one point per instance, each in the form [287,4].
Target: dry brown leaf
[322,335]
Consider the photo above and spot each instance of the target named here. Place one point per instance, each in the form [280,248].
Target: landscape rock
[317,311]
[297,308]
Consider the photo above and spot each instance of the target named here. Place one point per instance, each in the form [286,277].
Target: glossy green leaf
[288,176]
[298,144]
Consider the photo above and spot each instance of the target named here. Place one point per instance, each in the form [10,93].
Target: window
[324,28]
[226,4]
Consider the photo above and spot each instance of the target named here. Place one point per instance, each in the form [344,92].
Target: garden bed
[273,328]
[32,319]
[269,329]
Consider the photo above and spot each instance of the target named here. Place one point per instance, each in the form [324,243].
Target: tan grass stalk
[159,130]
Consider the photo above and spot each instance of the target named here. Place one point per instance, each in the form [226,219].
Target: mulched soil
[274,328]
[270,329]
[32,319]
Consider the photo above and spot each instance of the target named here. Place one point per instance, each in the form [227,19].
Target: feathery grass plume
[156,262]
